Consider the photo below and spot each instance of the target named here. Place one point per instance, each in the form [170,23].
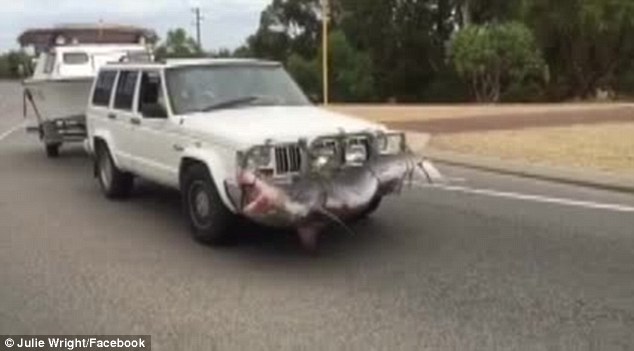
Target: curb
[598,180]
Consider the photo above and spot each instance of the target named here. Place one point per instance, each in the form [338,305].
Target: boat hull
[59,99]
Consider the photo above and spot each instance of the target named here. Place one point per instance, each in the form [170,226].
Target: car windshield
[207,88]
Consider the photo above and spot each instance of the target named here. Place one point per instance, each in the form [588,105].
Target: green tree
[484,11]
[349,78]
[220,53]
[307,74]
[492,57]
[287,27]
[15,65]
[405,40]
[178,45]
[586,43]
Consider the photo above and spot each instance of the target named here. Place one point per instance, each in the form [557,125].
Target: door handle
[112,116]
[136,121]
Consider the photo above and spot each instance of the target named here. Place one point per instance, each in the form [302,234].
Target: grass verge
[606,147]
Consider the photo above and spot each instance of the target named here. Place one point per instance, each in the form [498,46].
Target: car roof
[172,63]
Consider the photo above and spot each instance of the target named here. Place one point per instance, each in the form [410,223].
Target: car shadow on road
[368,236]
[255,239]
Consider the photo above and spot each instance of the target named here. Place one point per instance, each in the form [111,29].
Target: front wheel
[114,183]
[209,219]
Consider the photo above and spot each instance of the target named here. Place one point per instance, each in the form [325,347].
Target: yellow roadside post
[325,18]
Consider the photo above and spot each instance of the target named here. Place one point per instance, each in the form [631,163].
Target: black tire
[114,183]
[209,219]
[52,150]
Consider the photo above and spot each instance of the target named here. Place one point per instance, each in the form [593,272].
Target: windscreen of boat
[139,56]
[75,58]
[215,87]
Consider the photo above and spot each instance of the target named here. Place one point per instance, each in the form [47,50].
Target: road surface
[489,262]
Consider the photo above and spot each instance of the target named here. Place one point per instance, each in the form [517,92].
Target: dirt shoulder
[592,136]
[605,147]
[421,113]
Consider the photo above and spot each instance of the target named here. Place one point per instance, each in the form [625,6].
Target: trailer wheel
[52,150]
[114,183]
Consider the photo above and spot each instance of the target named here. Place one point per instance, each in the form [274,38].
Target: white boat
[63,76]
[69,57]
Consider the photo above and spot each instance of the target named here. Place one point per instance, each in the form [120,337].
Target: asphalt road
[479,265]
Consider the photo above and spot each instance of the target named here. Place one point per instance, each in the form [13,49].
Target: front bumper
[316,199]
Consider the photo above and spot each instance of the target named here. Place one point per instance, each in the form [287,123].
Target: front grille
[288,159]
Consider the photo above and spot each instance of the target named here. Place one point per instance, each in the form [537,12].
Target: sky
[226,24]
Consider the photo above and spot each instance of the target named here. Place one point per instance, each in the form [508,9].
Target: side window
[152,99]
[103,88]
[124,96]
[75,58]
[49,63]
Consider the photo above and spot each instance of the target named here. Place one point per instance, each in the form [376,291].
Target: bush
[15,65]
[492,58]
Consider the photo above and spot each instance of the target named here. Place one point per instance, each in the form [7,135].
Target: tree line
[441,50]
[454,50]
[13,64]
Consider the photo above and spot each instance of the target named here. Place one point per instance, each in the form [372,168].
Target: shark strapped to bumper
[334,179]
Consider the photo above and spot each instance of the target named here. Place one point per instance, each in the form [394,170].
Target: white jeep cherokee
[238,138]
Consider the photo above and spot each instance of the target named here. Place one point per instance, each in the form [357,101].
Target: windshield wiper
[231,103]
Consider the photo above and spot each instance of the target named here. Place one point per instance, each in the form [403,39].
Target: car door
[157,158]
[122,116]
[97,121]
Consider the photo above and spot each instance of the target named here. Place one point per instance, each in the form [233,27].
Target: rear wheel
[209,219]
[52,150]
[114,183]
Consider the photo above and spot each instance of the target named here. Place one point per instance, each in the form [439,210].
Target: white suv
[238,138]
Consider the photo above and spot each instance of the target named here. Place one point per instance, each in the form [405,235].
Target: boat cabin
[70,51]
[75,61]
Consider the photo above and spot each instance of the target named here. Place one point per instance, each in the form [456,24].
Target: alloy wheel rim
[199,205]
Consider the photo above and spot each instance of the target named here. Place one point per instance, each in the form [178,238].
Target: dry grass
[606,147]
[398,113]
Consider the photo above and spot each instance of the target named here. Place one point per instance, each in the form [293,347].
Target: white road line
[534,198]
[12,130]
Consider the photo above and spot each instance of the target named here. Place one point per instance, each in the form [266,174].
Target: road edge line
[11,130]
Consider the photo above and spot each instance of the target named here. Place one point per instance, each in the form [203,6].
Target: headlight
[258,158]
[391,144]
[356,152]
[324,153]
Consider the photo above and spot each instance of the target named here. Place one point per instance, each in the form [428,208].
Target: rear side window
[125,90]
[103,88]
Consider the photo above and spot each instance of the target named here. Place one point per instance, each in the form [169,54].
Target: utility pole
[325,19]
[197,21]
